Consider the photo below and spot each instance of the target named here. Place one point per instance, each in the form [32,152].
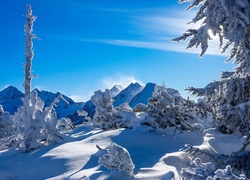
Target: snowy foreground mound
[156,155]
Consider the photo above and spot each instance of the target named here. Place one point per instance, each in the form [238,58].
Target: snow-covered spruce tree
[104,111]
[228,98]
[28,128]
[35,126]
[118,158]
[165,110]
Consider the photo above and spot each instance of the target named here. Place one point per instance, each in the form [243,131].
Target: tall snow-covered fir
[227,99]
[35,126]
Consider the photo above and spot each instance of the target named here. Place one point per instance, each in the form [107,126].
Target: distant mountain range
[10,99]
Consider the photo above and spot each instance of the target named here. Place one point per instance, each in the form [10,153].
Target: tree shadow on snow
[32,164]
[92,163]
[147,148]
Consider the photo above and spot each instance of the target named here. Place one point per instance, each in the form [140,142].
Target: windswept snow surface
[155,155]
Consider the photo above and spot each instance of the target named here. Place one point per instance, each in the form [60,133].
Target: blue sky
[88,45]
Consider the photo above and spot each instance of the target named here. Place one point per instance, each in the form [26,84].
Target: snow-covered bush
[118,158]
[84,114]
[227,174]
[36,126]
[104,115]
[6,124]
[200,172]
[65,124]
[140,108]
[239,162]
[124,107]
[203,171]
[166,110]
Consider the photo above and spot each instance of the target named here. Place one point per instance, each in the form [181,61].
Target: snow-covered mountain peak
[10,99]
[127,94]
[116,90]
[48,97]
[10,90]
[142,97]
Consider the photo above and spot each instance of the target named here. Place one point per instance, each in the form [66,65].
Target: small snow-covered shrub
[200,172]
[6,124]
[65,124]
[226,174]
[84,114]
[124,107]
[118,158]
[140,108]
[204,171]
[239,161]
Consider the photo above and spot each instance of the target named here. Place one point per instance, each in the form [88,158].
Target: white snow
[155,154]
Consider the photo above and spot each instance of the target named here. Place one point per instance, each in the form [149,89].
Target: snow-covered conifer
[227,99]
[166,110]
[35,125]
[118,158]
[104,115]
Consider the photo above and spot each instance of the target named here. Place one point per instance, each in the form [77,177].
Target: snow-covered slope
[156,155]
[78,157]
[10,99]
[127,94]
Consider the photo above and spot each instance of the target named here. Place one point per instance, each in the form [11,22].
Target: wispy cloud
[120,79]
[164,46]
[155,30]
[158,30]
